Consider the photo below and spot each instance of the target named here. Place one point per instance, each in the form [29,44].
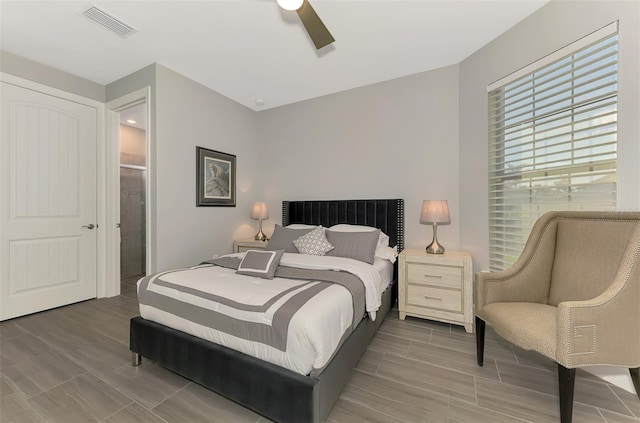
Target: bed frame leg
[136,359]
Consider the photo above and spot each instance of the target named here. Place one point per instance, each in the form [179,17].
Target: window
[552,140]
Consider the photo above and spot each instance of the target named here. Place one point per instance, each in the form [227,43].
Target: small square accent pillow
[262,264]
[314,243]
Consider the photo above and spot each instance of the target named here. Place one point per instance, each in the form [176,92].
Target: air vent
[108,21]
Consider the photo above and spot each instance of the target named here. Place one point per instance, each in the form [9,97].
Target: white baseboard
[618,376]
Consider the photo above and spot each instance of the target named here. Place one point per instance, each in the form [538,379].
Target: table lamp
[435,212]
[259,212]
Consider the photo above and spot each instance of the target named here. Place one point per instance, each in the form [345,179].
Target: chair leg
[566,382]
[635,377]
[480,340]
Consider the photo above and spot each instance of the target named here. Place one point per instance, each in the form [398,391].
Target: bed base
[272,391]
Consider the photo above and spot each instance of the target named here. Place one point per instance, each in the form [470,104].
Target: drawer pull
[433,276]
[433,298]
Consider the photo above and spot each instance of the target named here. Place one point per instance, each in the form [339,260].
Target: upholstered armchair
[573,295]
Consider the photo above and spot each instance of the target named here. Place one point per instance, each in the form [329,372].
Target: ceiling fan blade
[319,33]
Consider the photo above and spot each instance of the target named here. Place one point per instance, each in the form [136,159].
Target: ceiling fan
[318,32]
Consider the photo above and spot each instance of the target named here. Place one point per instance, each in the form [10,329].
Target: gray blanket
[346,279]
[274,334]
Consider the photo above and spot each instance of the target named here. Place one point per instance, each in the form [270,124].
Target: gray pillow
[282,239]
[262,264]
[356,245]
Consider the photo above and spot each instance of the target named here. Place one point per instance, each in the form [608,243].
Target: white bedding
[315,330]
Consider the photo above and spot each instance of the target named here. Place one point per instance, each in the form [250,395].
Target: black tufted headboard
[387,215]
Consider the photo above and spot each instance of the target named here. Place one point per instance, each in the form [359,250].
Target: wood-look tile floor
[72,364]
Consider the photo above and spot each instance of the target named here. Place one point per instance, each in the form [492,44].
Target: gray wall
[185,114]
[37,72]
[419,137]
[553,26]
[189,115]
[396,139]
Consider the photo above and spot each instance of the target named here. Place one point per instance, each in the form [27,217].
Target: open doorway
[135,107]
[133,196]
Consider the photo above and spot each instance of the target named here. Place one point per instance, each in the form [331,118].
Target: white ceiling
[135,116]
[251,49]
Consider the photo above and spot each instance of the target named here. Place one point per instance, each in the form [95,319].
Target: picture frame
[215,178]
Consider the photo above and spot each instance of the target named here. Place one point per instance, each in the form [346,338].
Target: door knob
[89,226]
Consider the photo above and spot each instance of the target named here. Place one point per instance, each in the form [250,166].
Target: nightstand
[436,286]
[242,245]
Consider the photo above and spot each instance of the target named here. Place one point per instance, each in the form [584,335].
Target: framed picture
[215,178]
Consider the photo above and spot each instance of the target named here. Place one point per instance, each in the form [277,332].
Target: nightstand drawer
[425,296]
[430,274]
[242,245]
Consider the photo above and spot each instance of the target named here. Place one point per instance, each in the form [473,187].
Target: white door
[48,233]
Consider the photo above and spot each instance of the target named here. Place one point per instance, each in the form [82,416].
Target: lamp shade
[259,211]
[435,211]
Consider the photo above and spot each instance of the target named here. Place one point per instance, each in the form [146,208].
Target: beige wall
[132,140]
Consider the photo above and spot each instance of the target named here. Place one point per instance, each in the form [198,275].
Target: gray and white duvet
[296,320]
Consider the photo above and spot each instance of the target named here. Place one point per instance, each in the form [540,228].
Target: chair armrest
[604,330]
[529,278]
[509,285]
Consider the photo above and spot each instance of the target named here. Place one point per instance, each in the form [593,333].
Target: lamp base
[260,236]
[435,247]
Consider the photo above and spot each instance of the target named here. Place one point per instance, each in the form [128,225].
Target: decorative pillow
[356,245]
[282,239]
[314,243]
[344,227]
[262,264]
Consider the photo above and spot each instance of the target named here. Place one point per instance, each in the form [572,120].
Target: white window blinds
[552,142]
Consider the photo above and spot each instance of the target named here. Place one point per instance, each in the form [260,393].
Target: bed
[273,391]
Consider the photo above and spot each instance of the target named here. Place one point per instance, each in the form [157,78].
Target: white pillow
[301,226]
[383,240]
[387,253]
